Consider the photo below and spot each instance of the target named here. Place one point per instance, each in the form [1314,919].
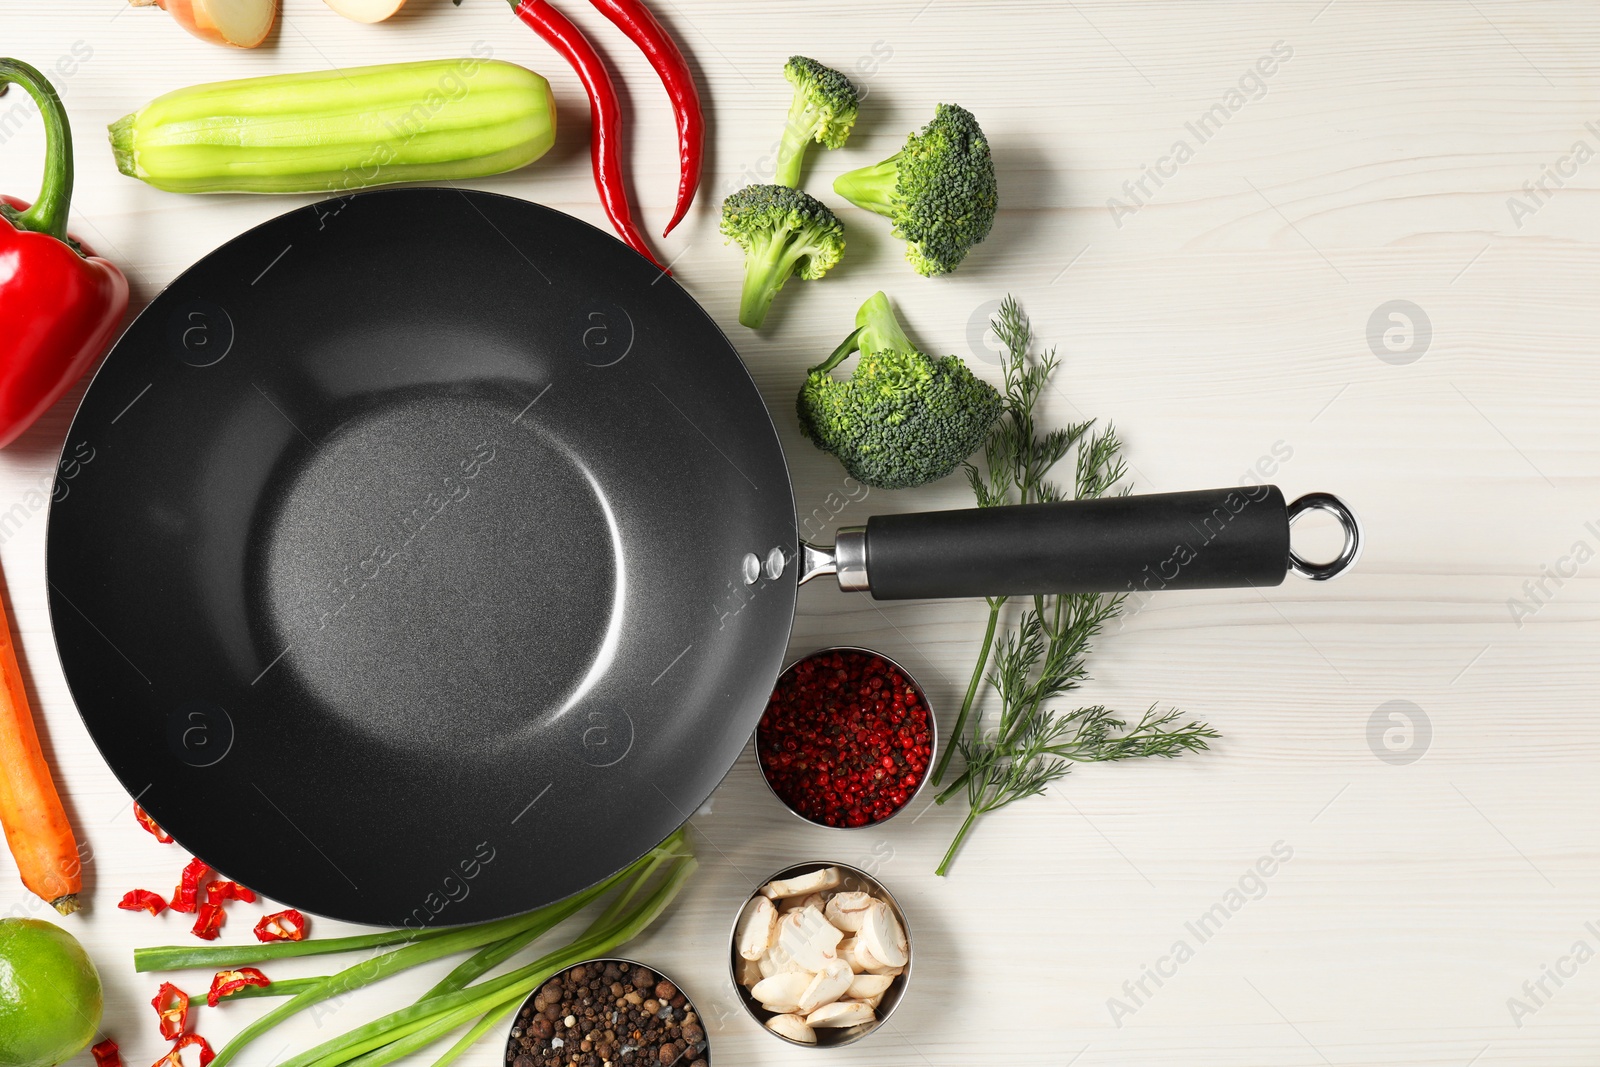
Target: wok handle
[1208,539]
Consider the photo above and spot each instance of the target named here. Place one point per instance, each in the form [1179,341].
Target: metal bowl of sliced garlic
[821,954]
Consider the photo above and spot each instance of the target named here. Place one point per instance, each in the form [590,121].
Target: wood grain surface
[1234,311]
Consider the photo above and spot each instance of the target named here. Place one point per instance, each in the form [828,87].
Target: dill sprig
[1042,654]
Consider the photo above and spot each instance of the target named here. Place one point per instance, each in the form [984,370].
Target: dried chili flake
[172,1008]
[217,892]
[150,824]
[143,900]
[186,898]
[287,925]
[208,921]
[106,1054]
[175,1057]
[226,983]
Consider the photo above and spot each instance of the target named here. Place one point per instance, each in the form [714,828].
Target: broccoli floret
[939,190]
[903,418]
[824,110]
[783,231]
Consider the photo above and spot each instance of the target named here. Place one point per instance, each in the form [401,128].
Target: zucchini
[333,131]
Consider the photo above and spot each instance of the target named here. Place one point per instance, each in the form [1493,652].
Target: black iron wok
[424,556]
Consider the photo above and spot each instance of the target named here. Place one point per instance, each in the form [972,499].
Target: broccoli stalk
[783,232]
[823,110]
[939,190]
[877,330]
[902,418]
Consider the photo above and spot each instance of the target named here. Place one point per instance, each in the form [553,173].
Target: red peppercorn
[844,740]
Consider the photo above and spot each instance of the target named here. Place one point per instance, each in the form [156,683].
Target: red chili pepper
[186,898]
[228,982]
[208,921]
[605,114]
[150,824]
[106,1054]
[175,1057]
[61,304]
[633,18]
[172,1007]
[287,925]
[217,892]
[143,900]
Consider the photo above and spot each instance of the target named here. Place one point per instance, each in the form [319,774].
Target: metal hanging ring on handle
[1321,572]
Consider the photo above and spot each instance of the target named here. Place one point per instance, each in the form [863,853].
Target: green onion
[390,1031]
[484,1025]
[220,957]
[643,891]
[286,987]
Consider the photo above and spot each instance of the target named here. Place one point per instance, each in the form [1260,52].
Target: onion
[241,23]
[366,10]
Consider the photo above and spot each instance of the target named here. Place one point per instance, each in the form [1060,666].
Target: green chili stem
[49,212]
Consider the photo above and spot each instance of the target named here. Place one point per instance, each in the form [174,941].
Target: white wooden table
[1224,315]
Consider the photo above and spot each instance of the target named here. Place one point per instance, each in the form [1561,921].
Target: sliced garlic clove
[867,986]
[749,972]
[846,910]
[841,1013]
[781,993]
[800,885]
[755,928]
[808,937]
[883,936]
[792,1027]
[828,986]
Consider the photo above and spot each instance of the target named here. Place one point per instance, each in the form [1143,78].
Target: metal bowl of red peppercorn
[847,738]
[818,887]
[608,1012]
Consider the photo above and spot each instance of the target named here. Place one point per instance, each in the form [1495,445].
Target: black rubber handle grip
[1208,539]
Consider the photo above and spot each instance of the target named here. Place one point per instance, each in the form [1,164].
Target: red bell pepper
[172,1009]
[61,304]
[106,1054]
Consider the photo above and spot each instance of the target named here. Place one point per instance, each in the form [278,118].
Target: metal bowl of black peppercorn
[619,1013]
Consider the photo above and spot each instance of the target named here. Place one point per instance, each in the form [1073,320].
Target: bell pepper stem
[49,212]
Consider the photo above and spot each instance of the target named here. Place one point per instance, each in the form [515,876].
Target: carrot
[30,808]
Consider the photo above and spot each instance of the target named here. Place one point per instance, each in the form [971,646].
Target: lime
[49,994]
